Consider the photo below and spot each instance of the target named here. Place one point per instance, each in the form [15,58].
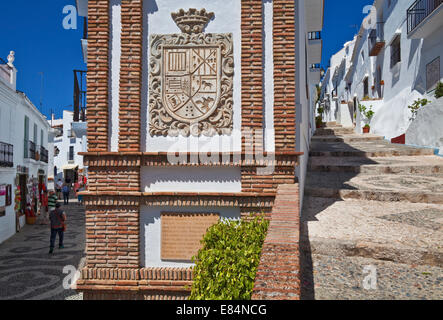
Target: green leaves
[416,106]
[439,90]
[226,266]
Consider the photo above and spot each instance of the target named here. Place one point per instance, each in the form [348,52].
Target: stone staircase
[371,203]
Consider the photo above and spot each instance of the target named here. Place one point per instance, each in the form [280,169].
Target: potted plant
[368,114]
[373,88]
[382,82]
[366,128]
[319,122]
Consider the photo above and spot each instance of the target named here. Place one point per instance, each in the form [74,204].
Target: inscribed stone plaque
[432,74]
[183,232]
[191,79]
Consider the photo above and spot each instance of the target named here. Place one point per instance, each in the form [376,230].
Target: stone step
[398,232]
[347,138]
[343,278]
[384,252]
[367,149]
[333,131]
[388,165]
[377,187]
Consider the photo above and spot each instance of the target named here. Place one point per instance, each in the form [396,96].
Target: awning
[70,167]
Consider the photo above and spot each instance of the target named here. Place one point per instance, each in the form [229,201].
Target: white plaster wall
[269,75]
[158,20]
[427,128]
[303,102]
[7,223]
[192,179]
[431,49]
[150,232]
[115,53]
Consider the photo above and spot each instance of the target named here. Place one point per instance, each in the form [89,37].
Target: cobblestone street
[28,272]
[371,203]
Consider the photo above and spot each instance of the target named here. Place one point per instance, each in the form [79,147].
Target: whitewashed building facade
[396,60]
[25,149]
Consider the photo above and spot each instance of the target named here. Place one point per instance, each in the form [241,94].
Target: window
[71,153]
[35,134]
[395,51]
[41,138]
[316,35]
[366,87]
[26,139]
[432,74]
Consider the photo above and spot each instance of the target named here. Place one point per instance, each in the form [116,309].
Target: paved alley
[28,272]
[371,206]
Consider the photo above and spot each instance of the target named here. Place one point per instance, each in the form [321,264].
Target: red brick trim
[98,75]
[252,71]
[105,200]
[130,75]
[278,275]
[131,295]
[284,75]
[105,159]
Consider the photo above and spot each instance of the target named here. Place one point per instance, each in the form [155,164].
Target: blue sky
[34,30]
[342,21]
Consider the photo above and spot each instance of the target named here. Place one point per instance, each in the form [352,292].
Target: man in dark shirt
[58,218]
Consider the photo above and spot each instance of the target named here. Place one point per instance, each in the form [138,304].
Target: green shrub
[368,114]
[416,106]
[439,90]
[227,265]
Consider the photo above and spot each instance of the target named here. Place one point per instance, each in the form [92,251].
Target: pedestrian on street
[52,200]
[58,188]
[58,226]
[66,190]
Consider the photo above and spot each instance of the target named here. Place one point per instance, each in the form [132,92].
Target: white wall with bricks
[150,232]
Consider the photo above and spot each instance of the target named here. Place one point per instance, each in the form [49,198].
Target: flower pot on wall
[366,129]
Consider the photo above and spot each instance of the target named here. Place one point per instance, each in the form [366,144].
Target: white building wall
[303,102]
[150,232]
[64,142]
[13,109]
[405,82]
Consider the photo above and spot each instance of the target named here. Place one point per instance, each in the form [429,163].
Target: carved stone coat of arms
[191,79]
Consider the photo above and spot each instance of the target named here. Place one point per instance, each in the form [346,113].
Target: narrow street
[28,272]
[371,204]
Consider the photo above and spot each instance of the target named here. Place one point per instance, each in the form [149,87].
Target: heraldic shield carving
[191,79]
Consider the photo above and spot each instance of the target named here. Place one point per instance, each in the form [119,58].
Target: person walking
[58,188]
[52,200]
[58,226]
[66,190]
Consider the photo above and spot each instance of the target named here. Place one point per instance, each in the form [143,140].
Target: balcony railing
[376,39]
[6,155]
[419,11]
[44,155]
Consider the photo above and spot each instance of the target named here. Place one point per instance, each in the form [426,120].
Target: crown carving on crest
[193,20]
